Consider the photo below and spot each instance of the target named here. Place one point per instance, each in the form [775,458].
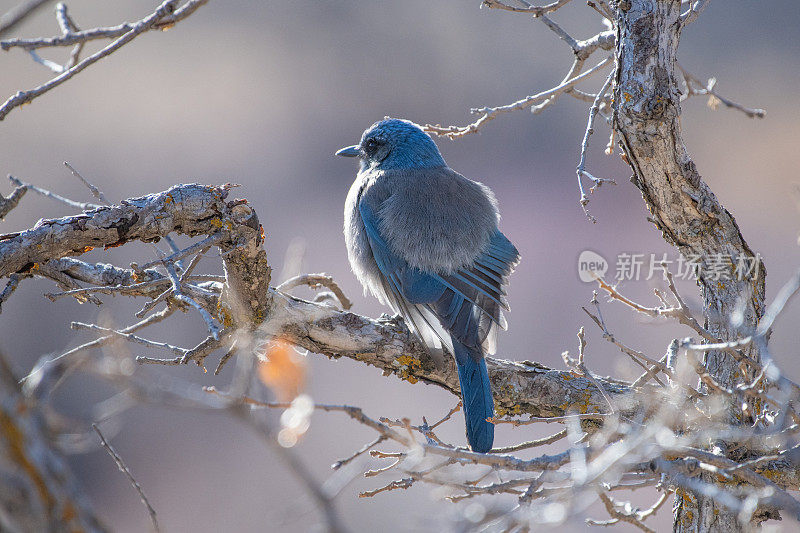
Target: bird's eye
[371,145]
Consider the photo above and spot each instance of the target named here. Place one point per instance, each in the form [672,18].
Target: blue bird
[423,239]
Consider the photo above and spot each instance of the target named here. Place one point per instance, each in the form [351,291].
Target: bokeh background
[262,94]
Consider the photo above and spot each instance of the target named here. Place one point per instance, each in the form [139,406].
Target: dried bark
[685,210]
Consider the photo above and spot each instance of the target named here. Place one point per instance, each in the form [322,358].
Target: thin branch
[563,35]
[68,26]
[177,293]
[694,87]
[581,170]
[536,11]
[111,32]
[124,469]
[10,202]
[131,338]
[146,24]
[315,281]
[83,206]
[48,372]
[341,462]
[691,15]
[532,443]
[224,359]
[197,247]
[628,517]
[490,113]
[17,14]
[97,193]
[13,282]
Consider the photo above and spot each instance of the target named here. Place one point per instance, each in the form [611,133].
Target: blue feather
[424,239]
[476,395]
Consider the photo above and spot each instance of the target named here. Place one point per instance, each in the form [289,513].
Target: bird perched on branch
[424,240]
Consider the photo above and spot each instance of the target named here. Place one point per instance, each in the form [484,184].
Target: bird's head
[394,143]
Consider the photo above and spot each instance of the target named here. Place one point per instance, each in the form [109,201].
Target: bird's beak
[350,151]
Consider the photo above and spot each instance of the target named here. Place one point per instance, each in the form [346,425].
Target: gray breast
[355,237]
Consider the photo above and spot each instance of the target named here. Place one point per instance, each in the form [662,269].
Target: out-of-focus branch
[19,13]
[39,492]
[112,32]
[164,16]
[620,422]
[694,87]
[125,470]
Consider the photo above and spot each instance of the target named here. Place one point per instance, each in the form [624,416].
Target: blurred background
[262,94]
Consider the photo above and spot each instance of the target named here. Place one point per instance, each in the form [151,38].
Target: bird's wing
[465,304]
[404,285]
[472,307]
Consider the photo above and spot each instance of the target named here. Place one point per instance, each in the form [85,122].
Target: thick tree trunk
[647,117]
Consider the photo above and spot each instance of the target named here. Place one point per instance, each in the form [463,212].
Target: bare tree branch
[7,204]
[17,14]
[165,15]
[124,469]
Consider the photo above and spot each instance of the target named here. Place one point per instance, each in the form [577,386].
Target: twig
[691,15]
[536,11]
[446,417]
[135,289]
[315,281]
[97,193]
[130,337]
[581,170]
[341,462]
[667,360]
[47,270]
[124,469]
[636,356]
[579,366]
[505,462]
[224,359]
[532,443]
[628,517]
[695,87]
[681,313]
[10,202]
[68,26]
[11,286]
[490,113]
[23,97]
[49,371]
[178,294]
[563,35]
[378,471]
[102,33]
[394,485]
[83,206]
[206,347]
[17,14]
[197,247]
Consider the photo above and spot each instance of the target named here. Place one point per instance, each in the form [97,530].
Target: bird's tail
[476,396]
